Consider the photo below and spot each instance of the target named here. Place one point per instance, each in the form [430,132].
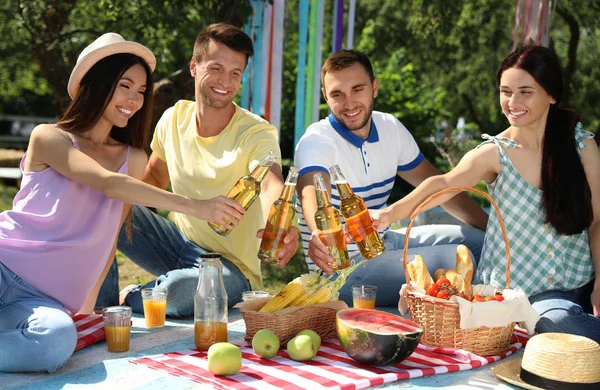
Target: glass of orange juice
[363,296]
[155,306]
[117,326]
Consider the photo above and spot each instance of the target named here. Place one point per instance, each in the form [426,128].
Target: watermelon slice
[375,337]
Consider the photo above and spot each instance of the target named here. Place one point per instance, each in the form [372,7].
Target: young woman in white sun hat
[80,177]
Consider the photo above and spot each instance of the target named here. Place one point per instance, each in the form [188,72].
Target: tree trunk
[46,49]
[178,85]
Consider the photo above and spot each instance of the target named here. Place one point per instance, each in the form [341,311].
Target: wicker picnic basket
[440,318]
[287,325]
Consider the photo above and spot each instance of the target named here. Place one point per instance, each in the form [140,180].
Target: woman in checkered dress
[544,173]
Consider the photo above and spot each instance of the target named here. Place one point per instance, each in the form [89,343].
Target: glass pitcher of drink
[247,189]
[210,303]
[281,216]
[358,219]
[329,226]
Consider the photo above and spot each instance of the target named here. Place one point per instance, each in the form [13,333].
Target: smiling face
[218,75]
[128,96]
[524,101]
[350,94]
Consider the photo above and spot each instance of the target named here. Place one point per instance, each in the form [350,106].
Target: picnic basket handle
[438,194]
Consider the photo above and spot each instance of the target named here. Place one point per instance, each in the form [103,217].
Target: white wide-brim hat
[104,46]
[554,361]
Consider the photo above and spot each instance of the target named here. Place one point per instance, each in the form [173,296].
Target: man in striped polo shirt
[371,148]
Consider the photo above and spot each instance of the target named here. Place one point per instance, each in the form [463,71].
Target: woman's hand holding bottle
[220,209]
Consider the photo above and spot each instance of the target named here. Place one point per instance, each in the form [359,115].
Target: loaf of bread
[464,267]
[456,279]
[438,274]
[419,274]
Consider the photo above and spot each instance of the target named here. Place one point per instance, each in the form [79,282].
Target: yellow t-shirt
[203,168]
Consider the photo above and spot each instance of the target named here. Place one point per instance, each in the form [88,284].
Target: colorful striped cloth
[330,369]
[90,329]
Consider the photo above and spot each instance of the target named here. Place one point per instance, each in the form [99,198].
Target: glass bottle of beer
[358,219]
[247,189]
[210,303]
[329,225]
[281,216]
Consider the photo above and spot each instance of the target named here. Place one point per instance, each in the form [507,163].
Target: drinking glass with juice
[117,326]
[155,306]
[363,297]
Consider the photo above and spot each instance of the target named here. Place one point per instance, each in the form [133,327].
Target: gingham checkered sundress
[541,259]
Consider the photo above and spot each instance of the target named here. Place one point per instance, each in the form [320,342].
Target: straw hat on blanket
[104,46]
[555,361]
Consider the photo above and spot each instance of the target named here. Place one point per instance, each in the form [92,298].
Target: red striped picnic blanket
[331,368]
[90,329]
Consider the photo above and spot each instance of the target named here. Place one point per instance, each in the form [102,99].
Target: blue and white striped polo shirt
[370,165]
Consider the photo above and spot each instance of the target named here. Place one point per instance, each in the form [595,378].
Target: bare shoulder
[137,159]
[483,162]
[45,133]
[590,155]
[590,146]
[487,154]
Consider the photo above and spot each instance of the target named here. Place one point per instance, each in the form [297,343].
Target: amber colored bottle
[357,217]
[247,189]
[329,225]
[281,216]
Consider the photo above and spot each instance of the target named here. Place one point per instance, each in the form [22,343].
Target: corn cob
[285,297]
[327,290]
[322,295]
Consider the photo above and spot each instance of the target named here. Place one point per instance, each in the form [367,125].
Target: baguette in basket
[456,323]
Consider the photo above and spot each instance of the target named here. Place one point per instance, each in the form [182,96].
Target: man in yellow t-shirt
[202,148]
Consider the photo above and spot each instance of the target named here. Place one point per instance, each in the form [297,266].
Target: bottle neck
[210,267]
[322,198]
[344,190]
[260,172]
[287,194]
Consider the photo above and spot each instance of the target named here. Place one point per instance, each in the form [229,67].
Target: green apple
[224,359]
[301,348]
[265,343]
[316,339]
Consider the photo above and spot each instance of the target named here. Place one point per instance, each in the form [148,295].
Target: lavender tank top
[59,234]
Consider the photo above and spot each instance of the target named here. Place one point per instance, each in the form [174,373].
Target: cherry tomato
[490,298]
[443,294]
[464,296]
[433,290]
[443,282]
[477,298]
[499,298]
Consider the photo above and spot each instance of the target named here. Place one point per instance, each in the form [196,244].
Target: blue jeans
[435,243]
[567,312]
[36,332]
[161,249]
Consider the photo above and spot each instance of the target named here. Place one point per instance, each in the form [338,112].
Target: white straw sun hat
[104,46]
[555,361]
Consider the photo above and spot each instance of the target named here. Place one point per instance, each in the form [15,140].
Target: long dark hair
[95,92]
[566,195]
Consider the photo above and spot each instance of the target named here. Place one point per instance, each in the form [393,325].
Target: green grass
[7,193]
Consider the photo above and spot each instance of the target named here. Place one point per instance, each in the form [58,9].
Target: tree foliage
[42,39]
[436,60]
